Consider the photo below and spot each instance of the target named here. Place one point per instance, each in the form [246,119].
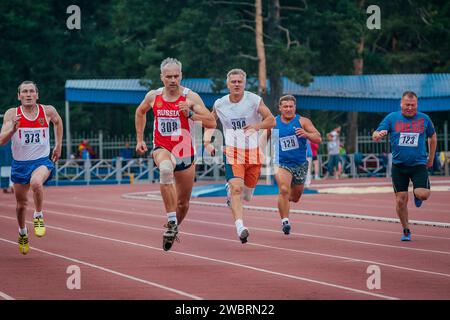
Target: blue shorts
[21,171]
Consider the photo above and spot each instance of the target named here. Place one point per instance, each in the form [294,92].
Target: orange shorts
[244,164]
[248,172]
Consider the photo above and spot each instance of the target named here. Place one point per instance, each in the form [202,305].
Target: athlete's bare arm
[432,143]
[140,119]
[201,113]
[10,125]
[377,135]
[54,117]
[209,147]
[268,120]
[308,131]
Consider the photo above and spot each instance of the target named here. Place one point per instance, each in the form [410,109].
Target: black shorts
[401,175]
[181,163]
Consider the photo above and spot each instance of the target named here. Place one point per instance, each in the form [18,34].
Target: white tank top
[235,116]
[32,140]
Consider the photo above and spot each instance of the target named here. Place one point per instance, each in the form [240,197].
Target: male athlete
[242,115]
[292,165]
[173,106]
[28,128]
[410,131]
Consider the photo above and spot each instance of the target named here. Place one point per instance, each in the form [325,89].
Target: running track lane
[94,225]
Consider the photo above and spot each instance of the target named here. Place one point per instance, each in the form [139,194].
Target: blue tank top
[291,149]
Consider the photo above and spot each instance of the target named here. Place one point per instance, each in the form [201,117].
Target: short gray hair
[168,61]
[236,71]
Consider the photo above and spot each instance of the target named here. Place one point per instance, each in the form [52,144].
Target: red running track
[116,243]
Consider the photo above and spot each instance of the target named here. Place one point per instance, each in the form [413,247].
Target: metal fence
[110,146]
[100,171]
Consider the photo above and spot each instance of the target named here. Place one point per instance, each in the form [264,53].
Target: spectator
[314,151]
[342,159]
[333,152]
[309,159]
[126,153]
[85,150]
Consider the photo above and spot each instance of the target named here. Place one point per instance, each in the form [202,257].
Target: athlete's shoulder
[395,115]
[10,113]
[150,96]
[190,93]
[48,108]
[251,95]
[221,101]
[423,115]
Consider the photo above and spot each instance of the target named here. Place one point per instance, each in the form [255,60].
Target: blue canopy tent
[364,93]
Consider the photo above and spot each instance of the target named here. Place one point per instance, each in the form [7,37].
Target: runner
[292,167]
[173,107]
[409,133]
[242,115]
[27,126]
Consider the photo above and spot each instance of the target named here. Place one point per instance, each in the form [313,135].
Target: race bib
[289,143]
[238,123]
[30,137]
[408,139]
[169,126]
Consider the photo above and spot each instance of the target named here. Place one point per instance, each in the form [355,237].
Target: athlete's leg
[421,183]
[184,181]
[400,182]
[21,192]
[296,192]
[236,189]
[283,178]
[401,206]
[251,177]
[38,177]
[166,164]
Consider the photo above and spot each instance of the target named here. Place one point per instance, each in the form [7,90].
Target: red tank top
[171,129]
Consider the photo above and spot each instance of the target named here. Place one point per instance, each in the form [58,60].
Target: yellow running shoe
[23,244]
[39,227]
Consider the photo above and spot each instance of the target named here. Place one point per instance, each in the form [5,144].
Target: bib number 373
[32,137]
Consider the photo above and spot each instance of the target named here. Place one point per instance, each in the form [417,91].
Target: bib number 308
[169,126]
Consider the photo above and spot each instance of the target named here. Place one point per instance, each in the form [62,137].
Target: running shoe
[23,243]
[406,236]
[417,202]
[286,227]
[244,235]
[170,235]
[39,227]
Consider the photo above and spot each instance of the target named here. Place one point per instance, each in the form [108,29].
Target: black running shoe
[170,235]
[244,235]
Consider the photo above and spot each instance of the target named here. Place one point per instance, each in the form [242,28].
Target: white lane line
[5,296]
[146,196]
[123,275]
[268,230]
[144,207]
[285,275]
[356,184]
[253,244]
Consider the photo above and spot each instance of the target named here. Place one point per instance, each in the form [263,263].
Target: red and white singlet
[32,140]
[171,128]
